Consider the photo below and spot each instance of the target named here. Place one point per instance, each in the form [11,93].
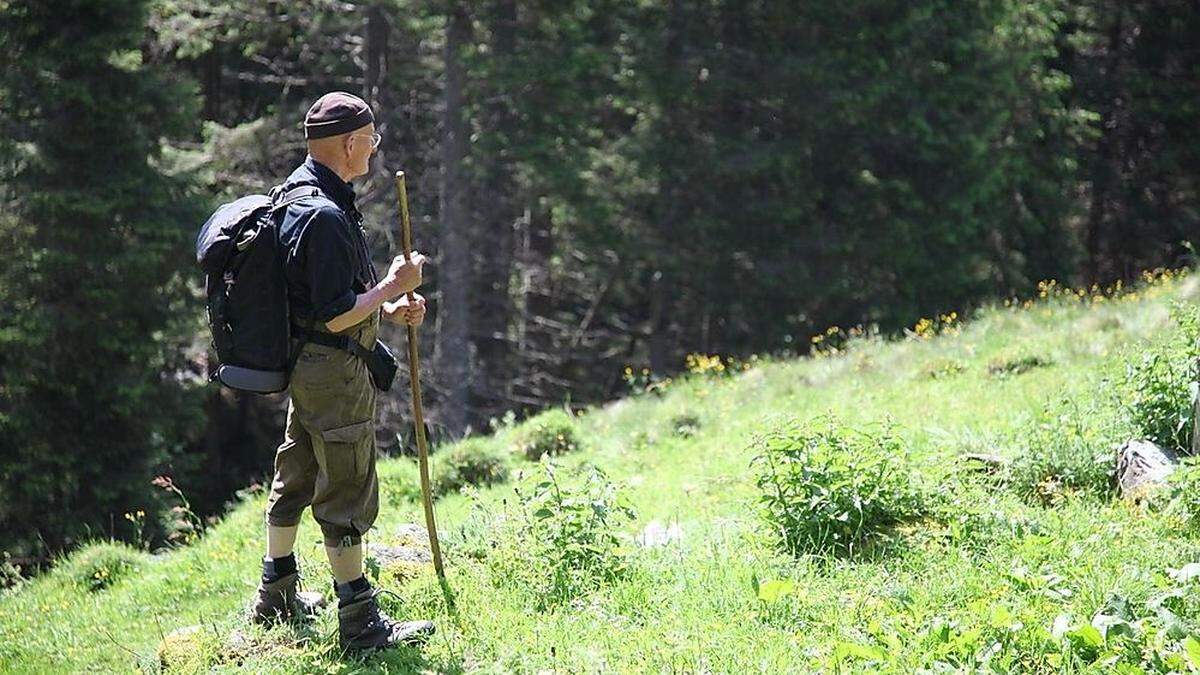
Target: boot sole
[418,638]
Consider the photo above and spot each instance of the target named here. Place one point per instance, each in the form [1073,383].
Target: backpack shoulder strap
[281,199]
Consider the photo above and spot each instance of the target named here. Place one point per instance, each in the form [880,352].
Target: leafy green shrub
[98,566]
[1184,493]
[561,539]
[1067,449]
[550,433]
[1158,382]
[825,487]
[942,368]
[1008,366]
[1127,636]
[685,425]
[642,440]
[475,461]
[10,574]
[399,482]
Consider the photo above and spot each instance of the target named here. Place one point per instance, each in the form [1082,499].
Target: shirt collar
[341,192]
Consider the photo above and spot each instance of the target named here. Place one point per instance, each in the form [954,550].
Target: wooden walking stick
[415,378]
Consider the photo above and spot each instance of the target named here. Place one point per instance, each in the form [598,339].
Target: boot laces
[375,614]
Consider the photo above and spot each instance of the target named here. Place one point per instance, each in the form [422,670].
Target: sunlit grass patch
[991,573]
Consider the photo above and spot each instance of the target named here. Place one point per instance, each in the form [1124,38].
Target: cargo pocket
[348,451]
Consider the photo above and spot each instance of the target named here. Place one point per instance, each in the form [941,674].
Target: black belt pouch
[382,366]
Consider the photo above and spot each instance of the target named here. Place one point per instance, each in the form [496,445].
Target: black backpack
[238,249]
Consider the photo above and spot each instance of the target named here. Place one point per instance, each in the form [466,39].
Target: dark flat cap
[336,113]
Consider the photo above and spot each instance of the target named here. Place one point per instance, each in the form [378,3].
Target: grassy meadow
[645,548]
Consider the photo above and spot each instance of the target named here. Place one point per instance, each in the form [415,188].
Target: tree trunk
[494,249]
[1104,255]
[378,36]
[454,264]
[537,360]
[663,283]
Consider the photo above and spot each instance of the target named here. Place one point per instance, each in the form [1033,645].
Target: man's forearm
[364,304]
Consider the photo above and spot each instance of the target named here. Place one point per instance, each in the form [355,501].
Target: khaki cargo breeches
[327,458]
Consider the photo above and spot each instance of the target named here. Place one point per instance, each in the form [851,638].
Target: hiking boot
[281,601]
[361,625]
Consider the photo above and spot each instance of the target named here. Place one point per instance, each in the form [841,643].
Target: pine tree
[92,290]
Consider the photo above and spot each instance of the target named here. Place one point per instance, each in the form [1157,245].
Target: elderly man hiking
[327,457]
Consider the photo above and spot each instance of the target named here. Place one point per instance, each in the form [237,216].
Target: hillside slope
[992,573]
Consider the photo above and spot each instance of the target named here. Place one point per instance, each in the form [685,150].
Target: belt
[380,362]
[342,342]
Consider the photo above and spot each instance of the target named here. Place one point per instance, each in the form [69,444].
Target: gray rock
[388,554]
[1142,468]
[402,556]
[412,534]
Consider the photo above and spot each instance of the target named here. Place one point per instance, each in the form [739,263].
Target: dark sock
[347,591]
[277,568]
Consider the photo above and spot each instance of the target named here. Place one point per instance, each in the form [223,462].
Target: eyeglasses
[376,139]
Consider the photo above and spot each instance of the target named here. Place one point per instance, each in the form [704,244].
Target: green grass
[978,583]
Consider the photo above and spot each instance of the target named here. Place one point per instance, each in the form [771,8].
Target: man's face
[360,145]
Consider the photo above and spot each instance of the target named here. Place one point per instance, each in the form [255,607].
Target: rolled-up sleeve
[329,257]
